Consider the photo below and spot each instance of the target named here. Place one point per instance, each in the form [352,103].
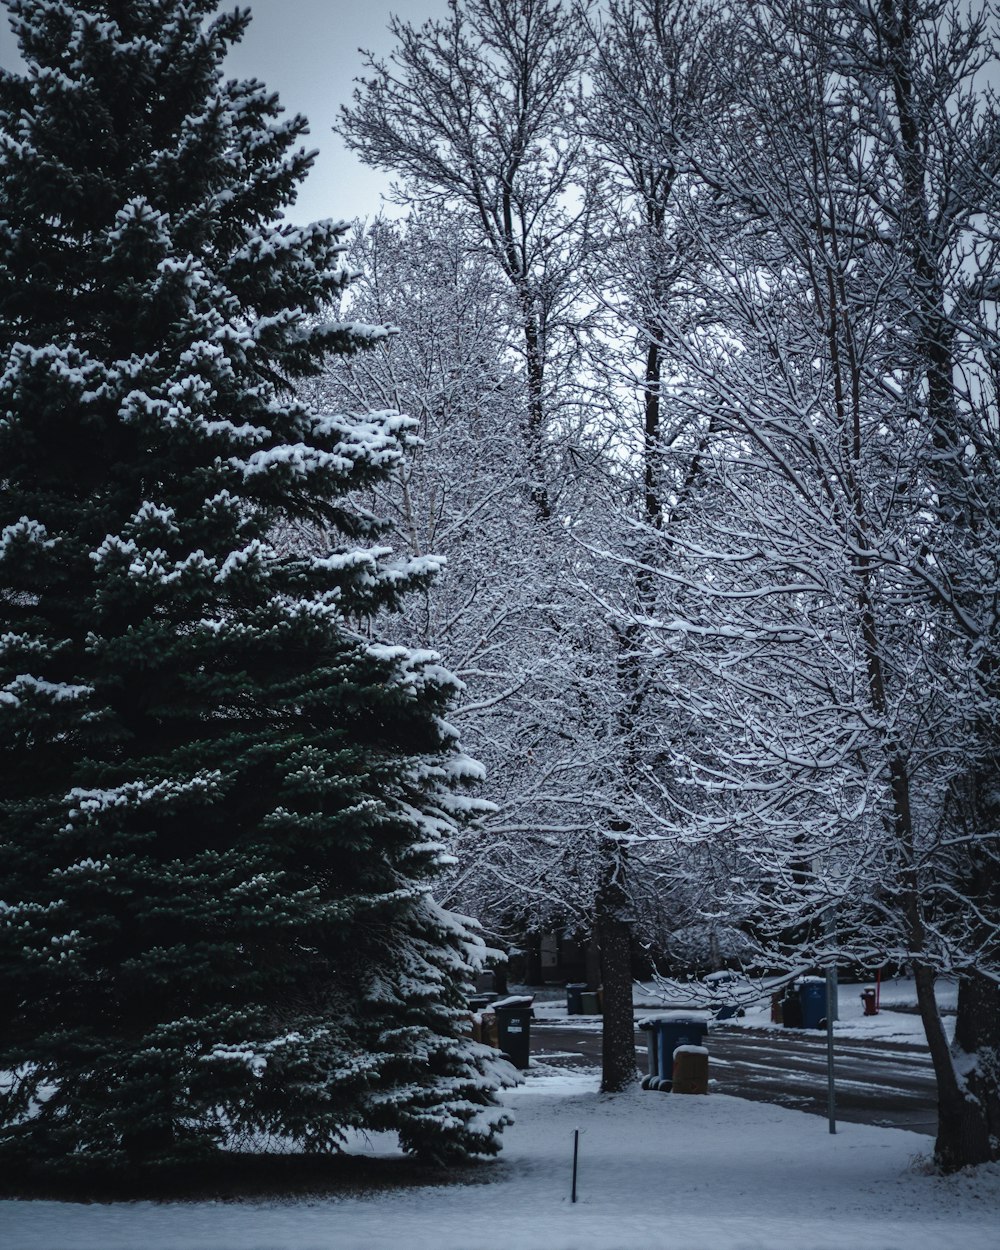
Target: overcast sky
[307,51]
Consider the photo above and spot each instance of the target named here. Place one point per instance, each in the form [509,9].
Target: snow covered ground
[657,1172]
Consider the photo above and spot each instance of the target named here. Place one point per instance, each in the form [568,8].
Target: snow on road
[657,1171]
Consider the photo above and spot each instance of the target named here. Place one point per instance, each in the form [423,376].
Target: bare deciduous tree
[839,569]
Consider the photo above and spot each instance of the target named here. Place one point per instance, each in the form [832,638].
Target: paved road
[885,1083]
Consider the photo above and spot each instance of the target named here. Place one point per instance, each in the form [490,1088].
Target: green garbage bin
[574,994]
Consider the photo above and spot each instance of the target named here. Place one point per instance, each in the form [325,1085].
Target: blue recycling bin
[678,1031]
[652,1078]
[812,996]
[666,1033]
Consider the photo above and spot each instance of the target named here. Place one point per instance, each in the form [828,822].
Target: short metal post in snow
[576,1152]
[831,1095]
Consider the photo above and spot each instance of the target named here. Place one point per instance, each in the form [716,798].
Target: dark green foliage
[222,807]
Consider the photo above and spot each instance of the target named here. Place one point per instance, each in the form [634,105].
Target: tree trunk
[614,936]
[150,1139]
[652,504]
[592,959]
[533,961]
[535,424]
[618,1070]
[613,931]
[969,1105]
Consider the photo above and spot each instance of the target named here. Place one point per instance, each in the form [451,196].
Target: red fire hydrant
[870,1001]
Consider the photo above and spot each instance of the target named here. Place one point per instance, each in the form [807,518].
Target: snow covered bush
[224,807]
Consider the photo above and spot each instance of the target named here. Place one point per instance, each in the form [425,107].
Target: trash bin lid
[512,1000]
[674,1017]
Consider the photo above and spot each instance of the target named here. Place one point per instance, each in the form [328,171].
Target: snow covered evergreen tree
[223,807]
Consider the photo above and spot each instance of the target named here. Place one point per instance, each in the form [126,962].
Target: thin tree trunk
[152,1139]
[533,961]
[969,1105]
[652,505]
[535,425]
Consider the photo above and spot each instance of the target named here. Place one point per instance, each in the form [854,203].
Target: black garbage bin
[574,997]
[791,1009]
[514,1028]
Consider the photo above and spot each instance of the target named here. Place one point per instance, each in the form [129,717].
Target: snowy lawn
[657,1172]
